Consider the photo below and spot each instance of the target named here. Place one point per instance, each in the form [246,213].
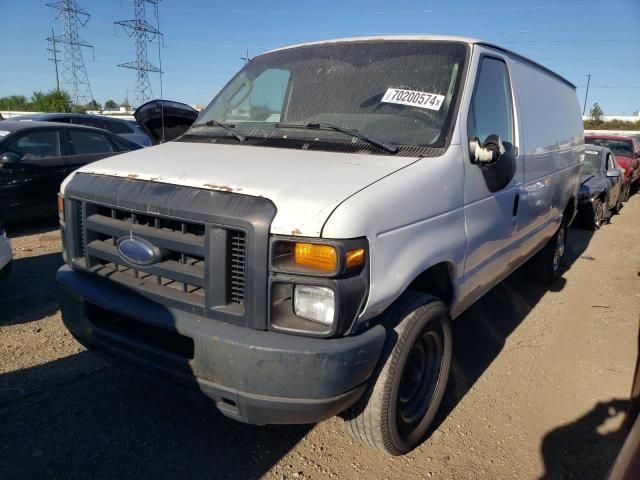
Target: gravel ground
[540,380]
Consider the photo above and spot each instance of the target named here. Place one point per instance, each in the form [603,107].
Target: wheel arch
[570,211]
[437,280]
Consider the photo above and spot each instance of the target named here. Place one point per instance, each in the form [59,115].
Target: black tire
[597,214]
[625,192]
[408,386]
[544,267]
[618,206]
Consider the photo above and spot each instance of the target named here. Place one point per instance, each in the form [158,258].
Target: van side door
[491,189]
[551,149]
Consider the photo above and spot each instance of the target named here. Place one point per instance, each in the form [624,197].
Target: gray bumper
[253,376]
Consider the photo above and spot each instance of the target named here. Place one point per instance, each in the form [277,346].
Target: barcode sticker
[413,98]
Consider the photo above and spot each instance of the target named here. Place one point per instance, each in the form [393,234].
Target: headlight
[314,303]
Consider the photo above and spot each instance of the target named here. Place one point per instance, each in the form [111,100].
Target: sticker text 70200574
[413,98]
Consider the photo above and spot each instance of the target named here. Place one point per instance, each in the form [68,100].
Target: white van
[301,250]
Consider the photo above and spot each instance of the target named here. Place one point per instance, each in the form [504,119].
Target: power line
[531,8]
[74,72]
[54,59]
[584,107]
[142,32]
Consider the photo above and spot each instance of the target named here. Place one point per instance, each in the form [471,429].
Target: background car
[601,187]
[6,255]
[36,156]
[627,152]
[125,128]
[164,120]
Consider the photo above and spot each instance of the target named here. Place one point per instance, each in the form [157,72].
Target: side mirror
[9,157]
[614,173]
[638,154]
[487,153]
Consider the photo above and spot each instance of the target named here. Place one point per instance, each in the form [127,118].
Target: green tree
[16,103]
[52,101]
[596,113]
[110,104]
[93,105]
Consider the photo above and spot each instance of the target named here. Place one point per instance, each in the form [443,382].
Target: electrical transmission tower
[74,73]
[142,32]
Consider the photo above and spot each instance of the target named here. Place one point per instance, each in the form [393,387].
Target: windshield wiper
[227,126]
[347,131]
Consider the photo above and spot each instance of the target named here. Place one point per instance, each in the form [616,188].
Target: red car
[627,152]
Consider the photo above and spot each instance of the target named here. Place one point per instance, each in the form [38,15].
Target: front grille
[180,275]
[213,246]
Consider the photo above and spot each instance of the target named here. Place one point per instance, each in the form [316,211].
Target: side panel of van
[552,148]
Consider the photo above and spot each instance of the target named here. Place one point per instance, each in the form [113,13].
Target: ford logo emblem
[138,251]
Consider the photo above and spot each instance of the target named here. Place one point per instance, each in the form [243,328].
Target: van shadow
[480,333]
[78,417]
[28,293]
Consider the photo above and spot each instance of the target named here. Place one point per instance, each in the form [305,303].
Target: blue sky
[205,40]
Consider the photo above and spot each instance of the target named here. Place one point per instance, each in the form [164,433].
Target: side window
[265,100]
[89,122]
[87,143]
[36,145]
[491,111]
[610,163]
[61,119]
[118,127]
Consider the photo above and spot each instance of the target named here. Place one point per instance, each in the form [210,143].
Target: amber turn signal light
[319,257]
[60,206]
[354,258]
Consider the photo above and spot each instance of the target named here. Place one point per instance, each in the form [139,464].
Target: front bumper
[254,376]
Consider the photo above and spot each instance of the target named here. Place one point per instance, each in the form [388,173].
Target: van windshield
[393,92]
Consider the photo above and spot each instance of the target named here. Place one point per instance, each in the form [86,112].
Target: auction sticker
[413,98]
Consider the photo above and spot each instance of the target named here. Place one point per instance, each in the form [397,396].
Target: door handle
[516,204]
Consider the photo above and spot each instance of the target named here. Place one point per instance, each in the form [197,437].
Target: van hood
[305,186]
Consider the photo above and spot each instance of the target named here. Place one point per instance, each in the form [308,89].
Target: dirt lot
[540,379]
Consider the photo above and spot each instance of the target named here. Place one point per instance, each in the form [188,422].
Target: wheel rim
[598,215]
[420,379]
[559,250]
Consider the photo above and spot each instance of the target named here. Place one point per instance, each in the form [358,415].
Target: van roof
[448,38]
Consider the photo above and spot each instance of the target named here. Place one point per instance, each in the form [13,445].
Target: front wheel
[598,214]
[404,397]
[545,265]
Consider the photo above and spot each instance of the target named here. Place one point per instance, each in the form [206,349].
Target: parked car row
[610,173]
[127,129]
